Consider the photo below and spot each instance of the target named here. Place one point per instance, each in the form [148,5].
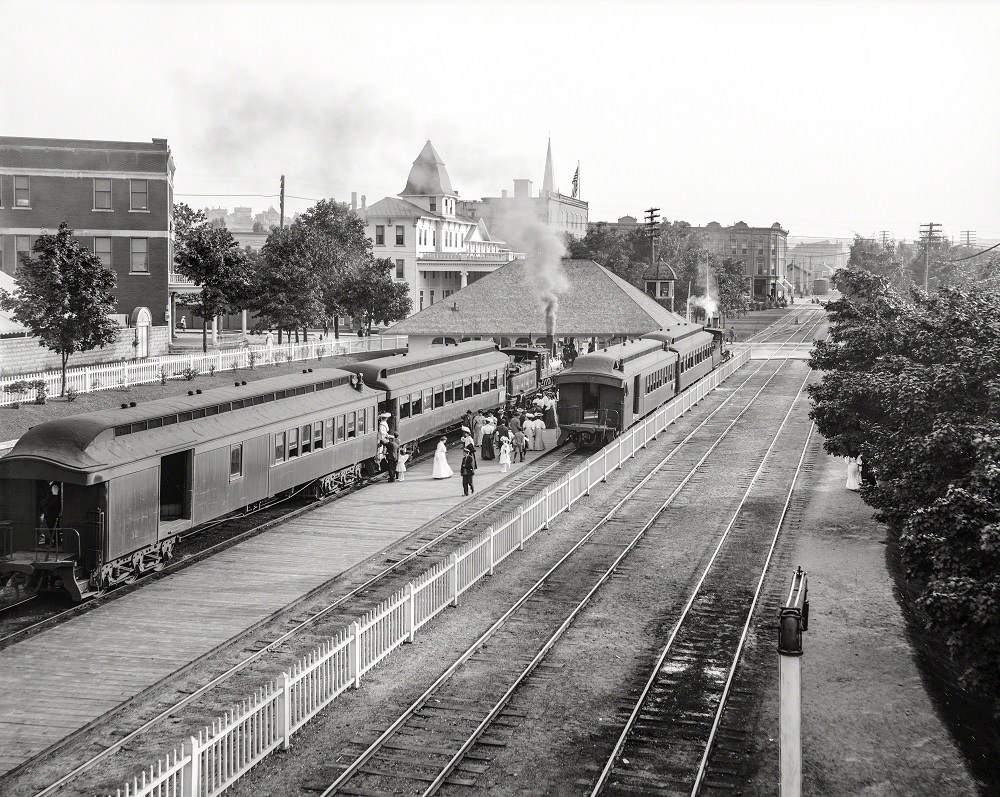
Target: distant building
[762,250]
[117,196]
[816,260]
[565,214]
[435,247]
[268,219]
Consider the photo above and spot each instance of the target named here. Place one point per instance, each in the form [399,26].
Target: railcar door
[591,402]
[636,387]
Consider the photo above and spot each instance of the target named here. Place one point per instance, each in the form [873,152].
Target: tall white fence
[106,376]
[210,762]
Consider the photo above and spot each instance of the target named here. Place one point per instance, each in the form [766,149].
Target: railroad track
[211,697]
[431,739]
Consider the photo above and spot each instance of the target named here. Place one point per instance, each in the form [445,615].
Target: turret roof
[428,177]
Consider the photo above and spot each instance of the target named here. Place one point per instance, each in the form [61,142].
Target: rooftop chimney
[522,189]
[364,201]
[354,200]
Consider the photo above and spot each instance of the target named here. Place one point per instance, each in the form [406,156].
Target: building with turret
[437,249]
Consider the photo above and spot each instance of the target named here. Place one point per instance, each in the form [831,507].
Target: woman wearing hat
[442,470]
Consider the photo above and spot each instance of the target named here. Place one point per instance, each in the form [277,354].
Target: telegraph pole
[929,236]
[969,237]
[652,220]
[885,236]
[281,221]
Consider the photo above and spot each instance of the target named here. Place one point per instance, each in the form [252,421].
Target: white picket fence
[107,376]
[213,760]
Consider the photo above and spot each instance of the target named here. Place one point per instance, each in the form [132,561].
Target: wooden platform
[55,683]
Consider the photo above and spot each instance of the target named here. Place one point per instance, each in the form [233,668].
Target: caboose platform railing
[207,764]
[574,414]
[6,539]
[107,376]
[53,542]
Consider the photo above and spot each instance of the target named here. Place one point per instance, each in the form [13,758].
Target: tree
[213,260]
[287,294]
[371,295]
[912,384]
[64,296]
[337,243]
[618,249]
[733,286]
[685,249]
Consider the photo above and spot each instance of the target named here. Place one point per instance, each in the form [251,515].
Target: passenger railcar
[429,390]
[127,482]
[606,391]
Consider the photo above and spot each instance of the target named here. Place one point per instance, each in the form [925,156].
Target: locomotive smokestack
[550,322]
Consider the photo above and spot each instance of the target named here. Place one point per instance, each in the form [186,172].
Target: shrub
[71,394]
[320,352]
[20,386]
[190,373]
[211,369]
[251,359]
[41,390]
[163,374]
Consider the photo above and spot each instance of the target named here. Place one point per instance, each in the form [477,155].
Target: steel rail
[654,671]
[420,701]
[703,766]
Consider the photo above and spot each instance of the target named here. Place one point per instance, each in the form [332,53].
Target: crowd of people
[505,435]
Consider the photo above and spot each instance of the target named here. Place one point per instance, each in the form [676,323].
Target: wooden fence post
[520,528]
[545,525]
[355,649]
[410,613]
[191,771]
[284,709]
[454,579]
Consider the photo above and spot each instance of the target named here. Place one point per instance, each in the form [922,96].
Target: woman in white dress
[853,473]
[442,470]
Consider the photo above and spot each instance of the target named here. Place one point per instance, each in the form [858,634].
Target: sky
[832,118]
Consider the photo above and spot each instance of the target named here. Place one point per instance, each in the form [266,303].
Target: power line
[969,257]
[230,196]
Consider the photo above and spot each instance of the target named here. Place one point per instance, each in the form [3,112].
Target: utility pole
[885,237]
[928,236]
[281,221]
[652,221]
[969,237]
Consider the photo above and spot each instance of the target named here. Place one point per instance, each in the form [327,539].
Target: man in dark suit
[392,455]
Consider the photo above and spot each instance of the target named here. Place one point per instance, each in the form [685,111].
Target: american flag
[576,181]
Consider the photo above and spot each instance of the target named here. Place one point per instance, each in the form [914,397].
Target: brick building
[117,197]
[762,250]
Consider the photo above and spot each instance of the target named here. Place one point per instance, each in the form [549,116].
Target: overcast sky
[830,118]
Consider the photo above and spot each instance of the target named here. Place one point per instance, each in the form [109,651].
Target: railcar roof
[674,332]
[692,342]
[65,446]
[388,371]
[633,356]
[84,428]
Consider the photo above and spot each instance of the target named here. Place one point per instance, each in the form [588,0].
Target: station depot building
[596,308]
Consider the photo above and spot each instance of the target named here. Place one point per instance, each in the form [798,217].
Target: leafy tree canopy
[733,286]
[213,260]
[371,295]
[912,384]
[64,296]
[287,294]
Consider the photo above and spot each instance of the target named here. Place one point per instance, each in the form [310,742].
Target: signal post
[793,619]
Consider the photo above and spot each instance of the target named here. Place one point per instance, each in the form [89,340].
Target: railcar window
[351,425]
[340,429]
[328,434]
[261,399]
[428,400]
[306,439]
[371,418]
[199,413]
[404,406]
[416,407]
[212,410]
[169,419]
[439,397]
[155,423]
[493,380]
[293,443]
[317,435]
[236,461]
[279,447]
[225,407]
[361,422]
[467,387]
[449,393]
[477,385]
[184,416]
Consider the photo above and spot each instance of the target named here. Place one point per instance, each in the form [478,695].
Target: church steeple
[547,186]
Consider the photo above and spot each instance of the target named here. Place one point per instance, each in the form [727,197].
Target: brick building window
[421,305]
[379,235]
[400,235]
[22,243]
[139,263]
[22,192]
[399,269]
[102,193]
[102,248]
[139,195]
